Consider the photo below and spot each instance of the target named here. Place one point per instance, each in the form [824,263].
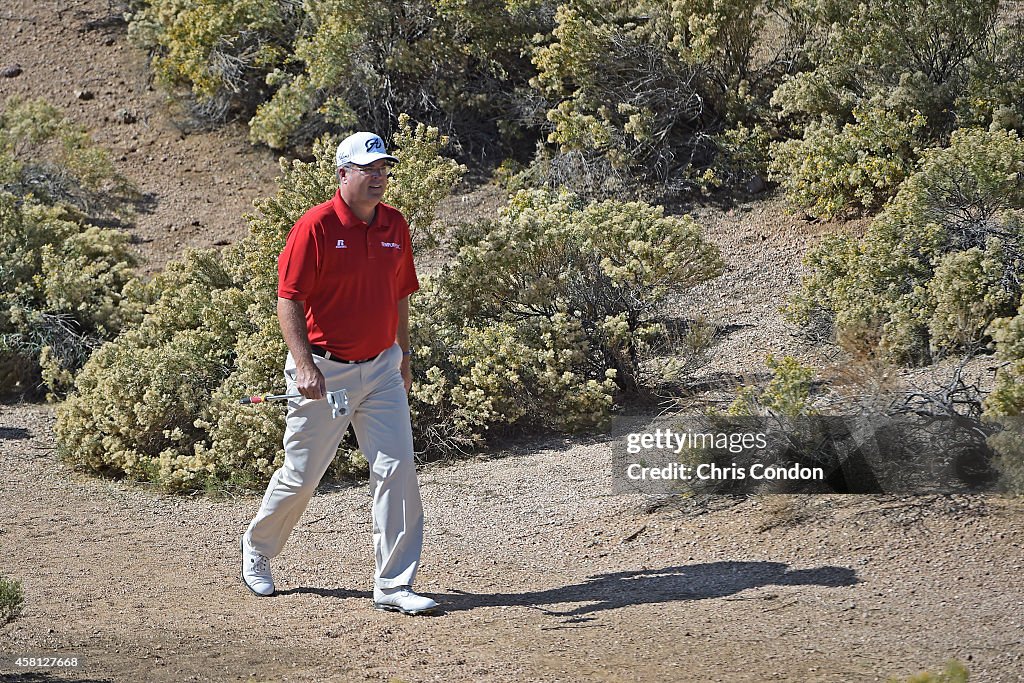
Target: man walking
[344,280]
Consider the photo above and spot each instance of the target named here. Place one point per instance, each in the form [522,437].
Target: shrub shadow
[14,433]
[46,677]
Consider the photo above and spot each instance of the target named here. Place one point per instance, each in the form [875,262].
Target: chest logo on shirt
[341,245]
[391,245]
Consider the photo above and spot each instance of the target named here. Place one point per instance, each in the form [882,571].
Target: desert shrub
[296,69]
[644,91]
[936,266]
[882,80]
[11,599]
[970,291]
[220,49]
[995,88]
[68,285]
[1004,407]
[160,402]
[897,55]
[549,311]
[45,155]
[787,393]
[856,167]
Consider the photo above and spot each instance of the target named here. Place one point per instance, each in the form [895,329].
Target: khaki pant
[379,413]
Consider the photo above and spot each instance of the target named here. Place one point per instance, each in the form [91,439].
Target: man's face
[364,183]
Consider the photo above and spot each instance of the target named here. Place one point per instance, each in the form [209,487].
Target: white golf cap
[362,149]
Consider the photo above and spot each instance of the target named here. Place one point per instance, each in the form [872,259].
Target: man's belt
[324,353]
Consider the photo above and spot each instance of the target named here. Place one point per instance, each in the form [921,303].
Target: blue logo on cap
[374,144]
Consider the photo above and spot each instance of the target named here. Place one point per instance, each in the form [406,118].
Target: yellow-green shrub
[955,672]
[67,285]
[1005,405]
[877,82]
[12,598]
[937,265]
[896,55]
[295,70]
[221,49]
[858,166]
[45,155]
[546,313]
[644,90]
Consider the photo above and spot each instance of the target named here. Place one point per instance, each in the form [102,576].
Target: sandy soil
[542,573]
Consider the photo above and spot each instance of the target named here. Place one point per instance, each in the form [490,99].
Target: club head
[338,400]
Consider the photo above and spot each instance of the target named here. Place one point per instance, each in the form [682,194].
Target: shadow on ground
[651,586]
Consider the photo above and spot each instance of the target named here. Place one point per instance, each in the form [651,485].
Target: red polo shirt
[349,276]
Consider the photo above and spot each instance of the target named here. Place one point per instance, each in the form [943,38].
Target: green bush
[220,49]
[787,393]
[645,90]
[995,88]
[896,55]
[936,266]
[549,311]
[11,599]
[1004,407]
[68,285]
[46,156]
[882,80]
[858,166]
[295,70]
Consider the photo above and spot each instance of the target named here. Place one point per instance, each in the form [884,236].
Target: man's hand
[407,372]
[310,381]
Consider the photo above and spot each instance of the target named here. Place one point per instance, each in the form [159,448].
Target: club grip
[251,399]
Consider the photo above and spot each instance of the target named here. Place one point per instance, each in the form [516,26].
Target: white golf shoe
[256,571]
[402,599]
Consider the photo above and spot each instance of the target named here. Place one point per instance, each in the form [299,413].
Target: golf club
[338,400]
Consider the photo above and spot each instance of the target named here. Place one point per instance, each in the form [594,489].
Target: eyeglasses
[380,172]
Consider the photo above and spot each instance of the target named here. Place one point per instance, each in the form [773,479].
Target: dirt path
[543,575]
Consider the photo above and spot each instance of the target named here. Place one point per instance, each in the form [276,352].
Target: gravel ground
[543,576]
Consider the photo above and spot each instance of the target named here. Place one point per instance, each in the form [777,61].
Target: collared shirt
[349,276]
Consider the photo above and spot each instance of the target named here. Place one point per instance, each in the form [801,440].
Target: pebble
[10,71]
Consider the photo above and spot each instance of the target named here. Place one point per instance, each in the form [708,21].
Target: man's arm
[308,378]
[403,341]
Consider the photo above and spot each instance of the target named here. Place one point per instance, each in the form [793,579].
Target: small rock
[126,116]
[10,71]
[756,185]
[84,95]
[109,41]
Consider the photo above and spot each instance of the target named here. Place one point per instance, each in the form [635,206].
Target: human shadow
[604,592]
